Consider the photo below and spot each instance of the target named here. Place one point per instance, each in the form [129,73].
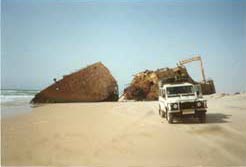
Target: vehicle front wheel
[170,118]
[161,113]
[202,117]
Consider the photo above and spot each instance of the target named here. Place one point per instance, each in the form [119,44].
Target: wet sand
[125,134]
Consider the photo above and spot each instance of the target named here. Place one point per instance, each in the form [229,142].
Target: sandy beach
[125,134]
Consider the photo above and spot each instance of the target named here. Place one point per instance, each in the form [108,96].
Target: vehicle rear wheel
[170,118]
[202,117]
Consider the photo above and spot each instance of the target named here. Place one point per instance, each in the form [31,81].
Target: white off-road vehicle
[182,100]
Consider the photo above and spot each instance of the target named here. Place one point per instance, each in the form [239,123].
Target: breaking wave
[11,95]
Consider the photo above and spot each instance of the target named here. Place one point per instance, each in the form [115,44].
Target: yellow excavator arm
[196,58]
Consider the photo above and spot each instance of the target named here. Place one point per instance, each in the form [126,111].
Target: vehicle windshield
[178,90]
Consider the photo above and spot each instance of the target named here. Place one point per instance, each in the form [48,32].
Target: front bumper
[188,107]
[188,111]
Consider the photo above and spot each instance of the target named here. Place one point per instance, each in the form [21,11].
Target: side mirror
[164,93]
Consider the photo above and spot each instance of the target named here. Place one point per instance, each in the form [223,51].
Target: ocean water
[14,102]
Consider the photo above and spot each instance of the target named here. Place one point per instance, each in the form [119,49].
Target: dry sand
[125,134]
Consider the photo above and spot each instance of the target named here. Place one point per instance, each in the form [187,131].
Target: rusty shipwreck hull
[91,84]
[145,85]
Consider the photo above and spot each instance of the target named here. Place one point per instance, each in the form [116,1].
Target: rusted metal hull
[91,84]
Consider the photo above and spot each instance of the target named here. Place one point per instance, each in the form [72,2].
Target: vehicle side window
[197,89]
[163,93]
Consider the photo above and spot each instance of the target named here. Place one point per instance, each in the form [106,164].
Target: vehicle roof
[177,85]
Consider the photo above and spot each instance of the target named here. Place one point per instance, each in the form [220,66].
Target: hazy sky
[42,40]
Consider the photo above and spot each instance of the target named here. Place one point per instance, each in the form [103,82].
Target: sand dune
[125,134]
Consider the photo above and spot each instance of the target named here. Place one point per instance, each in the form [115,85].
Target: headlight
[174,106]
[199,104]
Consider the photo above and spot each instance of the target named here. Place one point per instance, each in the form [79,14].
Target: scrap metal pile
[145,85]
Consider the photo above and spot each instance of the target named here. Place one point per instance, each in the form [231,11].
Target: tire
[161,113]
[202,117]
[170,118]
